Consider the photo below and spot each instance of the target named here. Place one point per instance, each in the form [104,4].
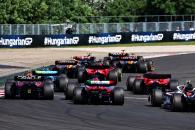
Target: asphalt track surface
[135,114]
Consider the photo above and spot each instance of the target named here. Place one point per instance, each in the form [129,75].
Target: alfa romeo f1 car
[60,80]
[96,91]
[145,83]
[182,99]
[100,70]
[29,86]
[68,67]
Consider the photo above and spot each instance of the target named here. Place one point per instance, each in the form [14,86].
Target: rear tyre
[62,82]
[130,82]
[77,97]
[113,75]
[173,84]
[69,91]
[138,87]
[178,103]
[142,67]
[48,91]
[118,96]
[81,76]
[9,90]
[149,65]
[156,97]
[119,71]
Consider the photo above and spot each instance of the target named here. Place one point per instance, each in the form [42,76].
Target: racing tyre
[130,82]
[118,96]
[69,91]
[62,82]
[81,76]
[177,103]
[77,97]
[149,65]
[48,90]
[113,75]
[9,90]
[173,84]
[142,67]
[119,71]
[156,97]
[138,87]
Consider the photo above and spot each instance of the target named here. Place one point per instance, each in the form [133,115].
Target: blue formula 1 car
[97,91]
[181,99]
[60,80]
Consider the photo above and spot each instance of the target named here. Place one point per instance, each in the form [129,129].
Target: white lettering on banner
[61,41]
[186,37]
[146,38]
[16,42]
[105,39]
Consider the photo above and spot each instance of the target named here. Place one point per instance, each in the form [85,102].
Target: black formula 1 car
[97,91]
[68,67]
[100,70]
[145,83]
[29,87]
[130,63]
[60,80]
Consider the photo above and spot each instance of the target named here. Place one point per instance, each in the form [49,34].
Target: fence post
[105,28]
[10,29]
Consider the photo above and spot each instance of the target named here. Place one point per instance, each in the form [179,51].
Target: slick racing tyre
[130,82]
[113,75]
[77,96]
[69,91]
[142,67]
[9,90]
[48,90]
[119,71]
[149,65]
[138,87]
[156,97]
[118,96]
[178,102]
[81,76]
[62,82]
[173,84]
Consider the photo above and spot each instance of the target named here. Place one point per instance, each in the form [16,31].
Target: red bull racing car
[29,87]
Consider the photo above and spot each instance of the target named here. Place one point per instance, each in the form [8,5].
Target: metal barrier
[90,28]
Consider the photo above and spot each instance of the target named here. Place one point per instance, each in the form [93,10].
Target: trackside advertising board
[18,41]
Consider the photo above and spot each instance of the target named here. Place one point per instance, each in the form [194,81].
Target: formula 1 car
[96,91]
[130,63]
[29,86]
[60,80]
[100,70]
[182,99]
[68,67]
[145,83]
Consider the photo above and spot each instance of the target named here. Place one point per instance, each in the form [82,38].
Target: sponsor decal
[182,36]
[147,38]
[16,42]
[61,41]
[104,39]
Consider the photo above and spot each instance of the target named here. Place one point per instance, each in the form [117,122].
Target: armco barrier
[17,41]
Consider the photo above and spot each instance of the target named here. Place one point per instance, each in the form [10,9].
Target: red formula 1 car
[100,70]
[147,82]
[96,91]
[29,86]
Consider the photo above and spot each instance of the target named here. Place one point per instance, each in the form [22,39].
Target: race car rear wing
[127,58]
[157,76]
[66,62]
[28,78]
[97,66]
[80,58]
[45,73]
[117,54]
[100,83]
